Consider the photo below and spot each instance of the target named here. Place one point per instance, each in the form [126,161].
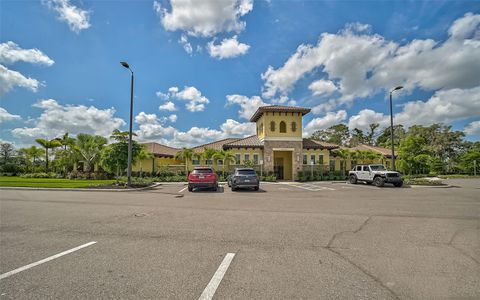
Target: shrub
[39,175]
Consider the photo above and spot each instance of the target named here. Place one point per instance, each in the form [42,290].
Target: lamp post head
[397,88]
[125,64]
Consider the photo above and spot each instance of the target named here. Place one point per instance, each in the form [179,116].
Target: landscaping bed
[15,181]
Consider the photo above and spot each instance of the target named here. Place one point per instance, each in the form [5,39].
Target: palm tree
[89,148]
[226,156]
[66,141]
[186,154]
[208,154]
[48,144]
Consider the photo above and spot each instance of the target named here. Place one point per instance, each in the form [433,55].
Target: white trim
[283,149]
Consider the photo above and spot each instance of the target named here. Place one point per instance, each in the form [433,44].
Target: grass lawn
[51,182]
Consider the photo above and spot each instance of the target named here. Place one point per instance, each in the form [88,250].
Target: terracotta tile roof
[384,151]
[278,108]
[248,142]
[160,150]
[312,144]
[216,145]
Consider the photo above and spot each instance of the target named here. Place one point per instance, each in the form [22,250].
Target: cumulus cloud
[322,87]
[324,122]
[248,105]
[203,18]
[236,129]
[151,128]
[362,64]
[186,44]
[172,118]
[10,79]
[228,48]
[472,128]
[56,119]
[11,53]
[194,98]
[445,106]
[76,18]
[168,106]
[5,116]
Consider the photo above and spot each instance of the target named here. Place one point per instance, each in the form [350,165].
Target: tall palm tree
[66,141]
[226,156]
[186,154]
[48,144]
[89,147]
[208,154]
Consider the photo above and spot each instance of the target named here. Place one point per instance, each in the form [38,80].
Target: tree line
[420,149]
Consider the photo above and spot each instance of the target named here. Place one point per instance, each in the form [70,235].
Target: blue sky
[212,63]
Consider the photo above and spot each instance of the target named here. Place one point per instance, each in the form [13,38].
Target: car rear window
[246,172]
[202,171]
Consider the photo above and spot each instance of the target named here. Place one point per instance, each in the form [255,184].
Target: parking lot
[287,241]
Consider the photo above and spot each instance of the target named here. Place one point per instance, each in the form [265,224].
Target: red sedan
[202,177]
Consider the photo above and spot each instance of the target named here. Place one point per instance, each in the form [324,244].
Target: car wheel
[353,179]
[398,184]
[256,188]
[233,188]
[190,189]
[378,181]
[215,188]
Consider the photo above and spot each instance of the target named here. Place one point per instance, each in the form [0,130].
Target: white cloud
[143,118]
[248,106]
[195,100]
[11,53]
[322,87]
[168,106]
[56,119]
[76,18]
[172,118]
[204,18]
[152,128]
[10,79]
[186,44]
[331,118]
[5,116]
[228,48]
[472,128]
[366,117]
[362,64]
[444,106]
[232,128]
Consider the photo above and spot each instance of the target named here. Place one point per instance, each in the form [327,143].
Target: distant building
[278,146]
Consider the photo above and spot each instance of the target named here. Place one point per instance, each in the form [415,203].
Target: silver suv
[376,174]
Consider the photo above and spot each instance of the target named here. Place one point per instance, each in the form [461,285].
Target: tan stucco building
[278,146]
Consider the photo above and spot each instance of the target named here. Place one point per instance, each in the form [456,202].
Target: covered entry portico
[282,163]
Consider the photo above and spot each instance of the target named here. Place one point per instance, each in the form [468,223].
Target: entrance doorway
[282,164]
[278,167]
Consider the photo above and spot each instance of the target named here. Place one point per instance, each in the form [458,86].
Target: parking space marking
[313,187]
[180,191]
[212,286]
[8,274]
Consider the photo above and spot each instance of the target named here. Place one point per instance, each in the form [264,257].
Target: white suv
[376,174]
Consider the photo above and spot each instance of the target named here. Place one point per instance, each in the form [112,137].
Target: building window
[255,159]
[320,159]
[305,159]
[220,162]
[246,157]
[272,126]
[312,159]
[294,126]
[237,159]
[195,162]
[209,162]
[261,128]
[283,127]
[332,165]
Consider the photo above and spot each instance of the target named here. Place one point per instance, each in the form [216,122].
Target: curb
[14,188]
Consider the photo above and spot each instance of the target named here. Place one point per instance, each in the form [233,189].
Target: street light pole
[391,126]
[129,168]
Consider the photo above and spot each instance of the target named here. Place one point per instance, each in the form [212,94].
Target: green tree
[48,144]
[208,153]
[370,138]
[186,155]
[357,138]
[227,157]
[7,150]
[89,148]
[336,134]
[469,160]
[384,139]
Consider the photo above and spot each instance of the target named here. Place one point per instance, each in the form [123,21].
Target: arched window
[283,127]
[272,126]
[294,126]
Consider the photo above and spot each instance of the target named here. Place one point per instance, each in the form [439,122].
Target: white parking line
[212,286]
[183,189]
[8,274]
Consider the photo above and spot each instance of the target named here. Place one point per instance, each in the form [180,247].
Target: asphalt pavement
[286,241]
